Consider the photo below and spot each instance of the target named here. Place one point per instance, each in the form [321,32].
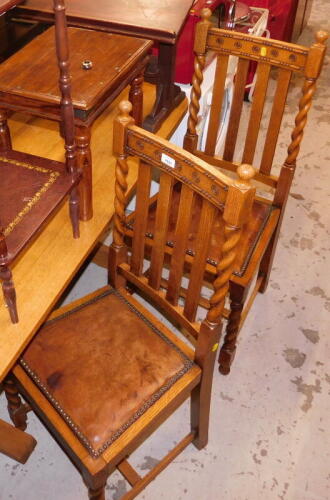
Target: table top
[49,264]
[39,80]
[8,4]
[155,19]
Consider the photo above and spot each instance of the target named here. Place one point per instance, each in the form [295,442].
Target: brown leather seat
[37,183]
[79,361]
[249,239]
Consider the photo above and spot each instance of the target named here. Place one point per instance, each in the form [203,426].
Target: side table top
[32,72]
[155,19]
[8,4]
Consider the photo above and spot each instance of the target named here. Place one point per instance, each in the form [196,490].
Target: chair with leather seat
[277,61]
[32,188]
[103,373]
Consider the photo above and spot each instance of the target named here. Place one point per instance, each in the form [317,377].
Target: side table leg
[84,159]
[168,95]
[5,140]
[136,98]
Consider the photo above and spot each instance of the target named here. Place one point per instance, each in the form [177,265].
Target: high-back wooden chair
[103,373]
[32,188]
[281,61]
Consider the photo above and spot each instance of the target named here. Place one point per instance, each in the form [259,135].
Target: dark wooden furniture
[260,234]
[15,443]
[103,373]
[5,5]
[33,187]
[28,83]
[303,10]
[158,20]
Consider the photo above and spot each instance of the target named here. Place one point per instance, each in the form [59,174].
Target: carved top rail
[199,175]
[279,53]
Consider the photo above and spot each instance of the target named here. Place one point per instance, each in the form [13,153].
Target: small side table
[158,20]
[101,66]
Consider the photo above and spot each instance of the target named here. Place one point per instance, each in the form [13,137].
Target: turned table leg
[9,293]
[5,140]
[136,98]
[84,161]
[168,95]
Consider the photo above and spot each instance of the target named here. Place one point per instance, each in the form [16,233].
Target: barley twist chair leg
[18,418]
[228,349]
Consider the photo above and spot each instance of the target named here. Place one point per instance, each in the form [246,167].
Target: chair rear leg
[15,404]
[238,295]
[267,263]
[5,139]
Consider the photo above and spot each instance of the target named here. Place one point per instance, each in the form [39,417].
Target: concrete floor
[269,429]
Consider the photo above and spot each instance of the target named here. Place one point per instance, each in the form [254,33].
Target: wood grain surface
[48,266]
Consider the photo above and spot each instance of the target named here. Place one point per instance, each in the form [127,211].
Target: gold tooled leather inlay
[52,176]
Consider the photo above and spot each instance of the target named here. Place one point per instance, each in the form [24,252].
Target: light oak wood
[15,443]
[271,57]
[36,270]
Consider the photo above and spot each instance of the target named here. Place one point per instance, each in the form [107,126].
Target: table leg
[136,97]
[168,95]
[84,159]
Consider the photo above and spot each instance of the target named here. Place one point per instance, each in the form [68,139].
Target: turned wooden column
[136,98]
[5,140]
[84,163]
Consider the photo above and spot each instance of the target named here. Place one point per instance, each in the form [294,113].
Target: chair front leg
[237,296]
[9,293]
[97,494]
[5,139]
[16,409]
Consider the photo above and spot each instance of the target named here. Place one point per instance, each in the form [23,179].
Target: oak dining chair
[104,372]
[32,187]
[277,63]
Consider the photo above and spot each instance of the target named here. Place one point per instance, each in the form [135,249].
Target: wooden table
[5,5]
[158,20]
[50,263]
